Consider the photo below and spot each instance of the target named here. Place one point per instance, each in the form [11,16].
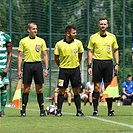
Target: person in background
[5,61]
[68,54]
[83,94]
[67,95]
[89,88]
[127,89]
[101,92]
[132,54]
[32,47]
[102,48]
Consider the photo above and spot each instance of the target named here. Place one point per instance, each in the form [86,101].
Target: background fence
[52,16]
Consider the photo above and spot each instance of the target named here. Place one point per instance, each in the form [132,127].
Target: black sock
[77,101]
[95,97]
[69,104]
[109,103]
[60,101]
[40,101]
[24,101]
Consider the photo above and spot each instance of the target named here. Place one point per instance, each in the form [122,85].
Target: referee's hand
[90,71]
[46,73]
[116,69]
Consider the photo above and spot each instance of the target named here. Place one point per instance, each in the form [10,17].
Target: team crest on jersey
[38,47]
[75,51]
[109,48]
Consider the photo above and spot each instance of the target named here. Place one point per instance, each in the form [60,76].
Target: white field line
[113,122]
[105,120]
[97,118]
[101,119]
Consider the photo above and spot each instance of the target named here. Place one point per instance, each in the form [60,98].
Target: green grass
[33,123]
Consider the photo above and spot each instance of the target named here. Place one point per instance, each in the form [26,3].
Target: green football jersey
[4,39]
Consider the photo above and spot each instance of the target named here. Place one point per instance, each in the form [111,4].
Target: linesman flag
[17,95]
[111,90]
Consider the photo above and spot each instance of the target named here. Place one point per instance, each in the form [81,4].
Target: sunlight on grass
[33,123]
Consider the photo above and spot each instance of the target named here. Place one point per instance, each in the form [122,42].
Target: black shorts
[33,69]
[69,74]
[102,69]
[128,97]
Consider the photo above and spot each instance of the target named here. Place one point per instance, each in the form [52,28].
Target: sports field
[68,123]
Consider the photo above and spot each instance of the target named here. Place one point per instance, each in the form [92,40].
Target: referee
[102,47]
[32,47]
[68,54]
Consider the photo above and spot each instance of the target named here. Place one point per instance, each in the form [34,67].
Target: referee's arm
[90,55]
[80,57]
[45,58]
[116,56]
[57,60]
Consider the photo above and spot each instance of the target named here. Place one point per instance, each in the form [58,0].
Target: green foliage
[4,7]
[52,16]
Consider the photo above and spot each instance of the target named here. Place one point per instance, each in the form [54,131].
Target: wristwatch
[117,64]
[89,65]
[46,68]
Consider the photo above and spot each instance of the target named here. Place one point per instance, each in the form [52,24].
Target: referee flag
[17,95]
[111,90]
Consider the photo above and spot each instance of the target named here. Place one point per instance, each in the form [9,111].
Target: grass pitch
[33,123]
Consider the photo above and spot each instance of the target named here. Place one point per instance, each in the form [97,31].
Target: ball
[51,109]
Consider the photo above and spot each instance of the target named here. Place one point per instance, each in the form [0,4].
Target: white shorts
[83,96]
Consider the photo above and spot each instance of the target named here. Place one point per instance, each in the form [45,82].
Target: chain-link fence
[52,16]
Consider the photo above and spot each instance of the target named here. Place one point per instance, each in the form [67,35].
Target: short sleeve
[56,50]
[44,47]
[81,49]
[90,44]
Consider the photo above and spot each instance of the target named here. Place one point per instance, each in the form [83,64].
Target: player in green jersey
[5,60]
